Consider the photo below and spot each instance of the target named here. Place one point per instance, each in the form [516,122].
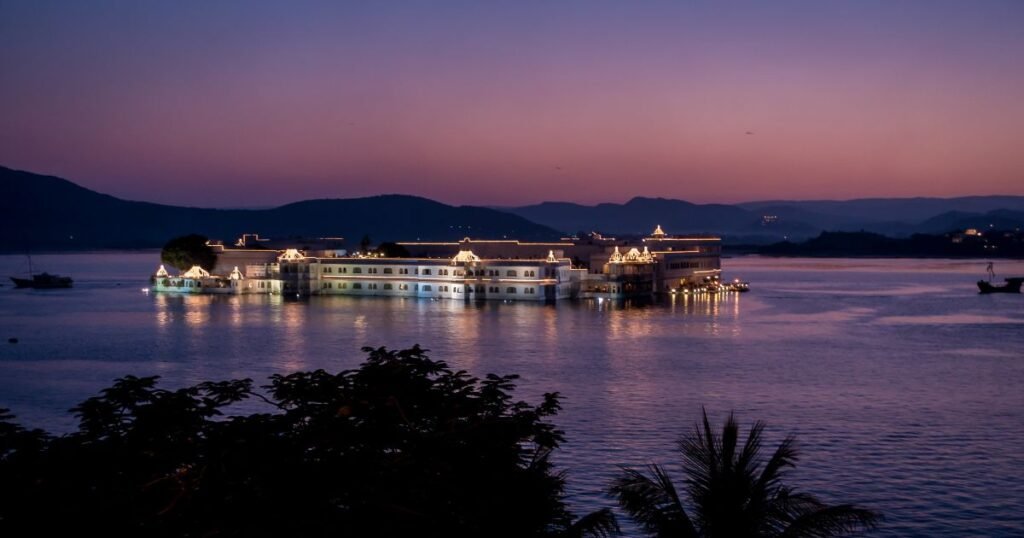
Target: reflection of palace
[594,266]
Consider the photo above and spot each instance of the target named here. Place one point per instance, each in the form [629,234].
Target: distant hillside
[790,219]
[639,215]
[45,212]
[996,244]
[1000,219]
[873,210]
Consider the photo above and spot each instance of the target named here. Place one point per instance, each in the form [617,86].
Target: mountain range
[46,212]
[773,220]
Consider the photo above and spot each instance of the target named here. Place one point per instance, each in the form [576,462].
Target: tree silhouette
[401,446]
[731,492]
[188,250]
[392,250]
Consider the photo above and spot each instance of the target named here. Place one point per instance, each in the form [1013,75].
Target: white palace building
[511,270]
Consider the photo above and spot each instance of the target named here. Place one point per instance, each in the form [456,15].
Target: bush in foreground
[402,446]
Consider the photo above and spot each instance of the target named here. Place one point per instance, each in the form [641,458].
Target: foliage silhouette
[731,492]
[188,250]
[392,250]
[401,446]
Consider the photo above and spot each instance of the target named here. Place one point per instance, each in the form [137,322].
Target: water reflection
[197,310]
[164,316]
[292,348]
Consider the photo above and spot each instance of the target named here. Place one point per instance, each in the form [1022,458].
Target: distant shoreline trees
[401,446]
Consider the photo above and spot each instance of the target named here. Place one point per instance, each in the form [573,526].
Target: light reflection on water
[902,384]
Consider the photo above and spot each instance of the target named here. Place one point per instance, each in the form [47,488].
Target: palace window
[426,287]
[388,270]
[510,273]
[373,286]
[510,289]
[426,271]
[372,270]
[357,270]
[357,285]
[387,286]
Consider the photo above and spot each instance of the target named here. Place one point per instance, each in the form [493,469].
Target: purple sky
[260,103]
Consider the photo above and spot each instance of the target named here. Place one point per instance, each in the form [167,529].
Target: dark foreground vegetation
[401,446]
[731,491]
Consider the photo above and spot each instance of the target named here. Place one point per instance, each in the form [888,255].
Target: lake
[901,383]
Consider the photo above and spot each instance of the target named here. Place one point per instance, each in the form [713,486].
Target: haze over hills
[44,212]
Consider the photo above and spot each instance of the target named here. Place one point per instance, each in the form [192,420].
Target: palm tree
[732,493]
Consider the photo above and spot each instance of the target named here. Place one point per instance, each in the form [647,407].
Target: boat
[1012,286]
[43,281]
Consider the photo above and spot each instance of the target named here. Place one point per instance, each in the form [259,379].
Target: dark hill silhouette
[639,215]
[46,212]
[1001,219]
[873,210]
[994,244]
[794,219]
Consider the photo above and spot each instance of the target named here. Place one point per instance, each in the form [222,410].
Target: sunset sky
[249,103]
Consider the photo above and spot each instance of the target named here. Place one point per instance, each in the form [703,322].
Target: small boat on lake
[1012,286]
[43,281]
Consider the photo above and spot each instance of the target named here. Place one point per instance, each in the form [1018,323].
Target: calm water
[903,386]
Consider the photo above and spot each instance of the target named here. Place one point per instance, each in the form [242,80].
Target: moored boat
[1012,286]
[43,281]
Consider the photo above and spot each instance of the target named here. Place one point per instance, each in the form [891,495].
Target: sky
[255,103]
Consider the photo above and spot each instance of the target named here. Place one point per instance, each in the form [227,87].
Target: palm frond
[652,502]
[829,521]
[729,439]
[700,458]
[748,457]
[599,524]
[786,455]
[733,491]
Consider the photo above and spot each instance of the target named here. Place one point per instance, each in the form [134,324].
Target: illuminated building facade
[510,270]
